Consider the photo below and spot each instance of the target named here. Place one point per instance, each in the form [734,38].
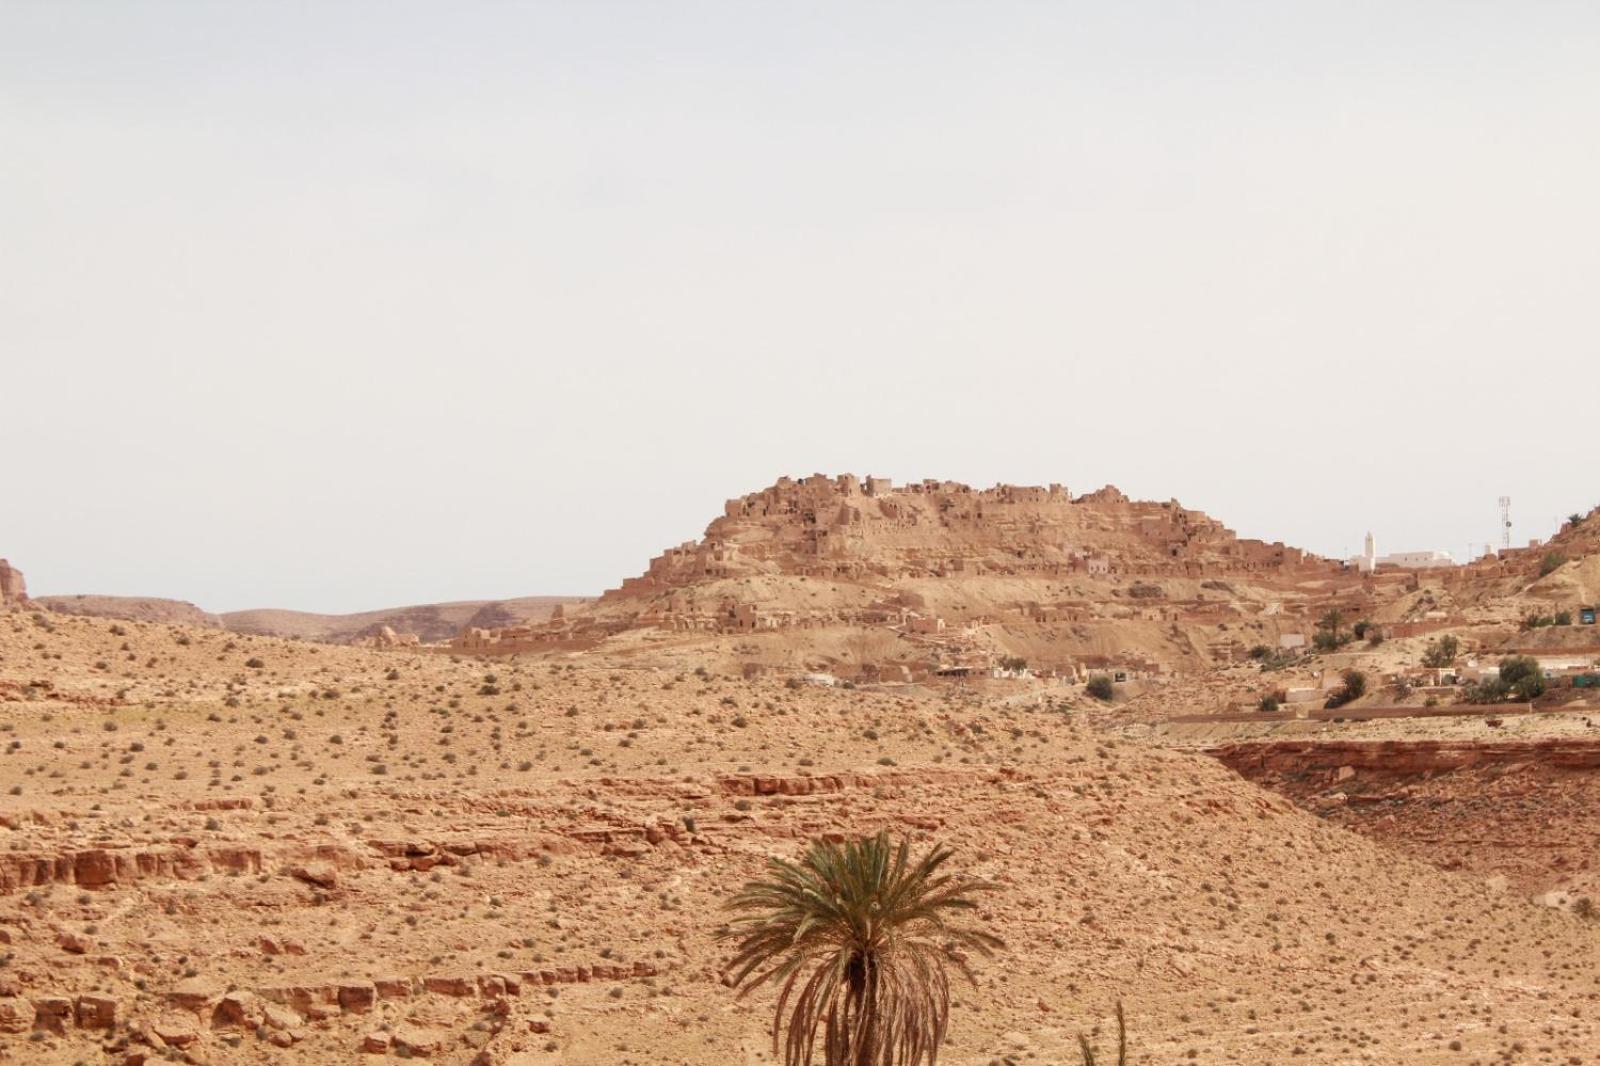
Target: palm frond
[859,937]
[1086,1049]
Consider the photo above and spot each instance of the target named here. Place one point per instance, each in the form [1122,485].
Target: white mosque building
[1369,559]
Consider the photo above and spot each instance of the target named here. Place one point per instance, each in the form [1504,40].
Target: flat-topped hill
[858,576]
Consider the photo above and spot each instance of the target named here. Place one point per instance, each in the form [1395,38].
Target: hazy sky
[342,305]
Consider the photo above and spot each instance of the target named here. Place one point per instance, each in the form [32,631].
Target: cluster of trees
[1331,635]
[1520,678]
[1539,621]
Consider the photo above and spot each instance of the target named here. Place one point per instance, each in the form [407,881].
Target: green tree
[1524,676]
[1442,652]
[1330,631]
[1100,688]
[860,938]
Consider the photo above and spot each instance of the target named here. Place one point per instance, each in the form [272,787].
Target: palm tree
[860,937]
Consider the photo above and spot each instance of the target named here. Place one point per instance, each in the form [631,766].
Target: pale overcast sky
[344,305]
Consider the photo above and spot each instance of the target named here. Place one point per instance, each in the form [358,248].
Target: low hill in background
[429,621]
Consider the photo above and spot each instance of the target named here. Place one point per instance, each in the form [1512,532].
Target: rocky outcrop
[101,867]
[13,589]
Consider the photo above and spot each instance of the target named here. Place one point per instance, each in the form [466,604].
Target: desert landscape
[818,534]
[516,845]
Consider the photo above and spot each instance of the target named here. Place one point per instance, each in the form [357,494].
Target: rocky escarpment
[1519,811]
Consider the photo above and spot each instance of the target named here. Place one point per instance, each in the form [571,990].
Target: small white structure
[1369,559]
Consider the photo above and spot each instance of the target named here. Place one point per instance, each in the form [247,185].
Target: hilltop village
[863,580]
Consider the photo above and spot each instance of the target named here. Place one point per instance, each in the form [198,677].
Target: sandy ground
[236,849]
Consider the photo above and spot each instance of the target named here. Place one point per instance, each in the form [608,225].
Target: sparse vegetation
[1101,688]
[1441,653]
[1353,688]
[1330,634]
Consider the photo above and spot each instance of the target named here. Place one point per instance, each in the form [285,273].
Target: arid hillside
[245,849]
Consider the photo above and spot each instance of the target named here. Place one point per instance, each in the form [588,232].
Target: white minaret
[1369,555]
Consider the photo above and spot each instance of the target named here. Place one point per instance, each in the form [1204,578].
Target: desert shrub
[1552,562]
[1354,687]
[1100,688]
[1442,652]
[1260,651]
[1361,628]
[1269,703]
[1563,618]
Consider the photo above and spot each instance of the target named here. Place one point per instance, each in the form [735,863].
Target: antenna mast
[1505,523]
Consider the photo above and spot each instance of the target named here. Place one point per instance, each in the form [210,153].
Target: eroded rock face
[1517,811]
[13,589]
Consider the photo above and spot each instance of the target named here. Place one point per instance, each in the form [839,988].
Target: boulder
[96,1012]
[357,997]
[52,1013]
[414,1040]
[320,874]
[16,1015]
[176,1030]
[239,1010]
